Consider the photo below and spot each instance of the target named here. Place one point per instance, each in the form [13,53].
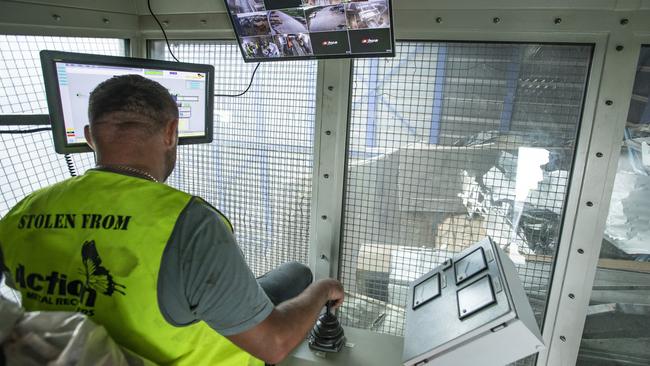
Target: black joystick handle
[327,335]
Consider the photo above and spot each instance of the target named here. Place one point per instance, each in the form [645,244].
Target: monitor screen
[274,30]
[71,77]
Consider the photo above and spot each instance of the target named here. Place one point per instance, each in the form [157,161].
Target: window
[258,171]
[449,143]
[617,328]
[28,160]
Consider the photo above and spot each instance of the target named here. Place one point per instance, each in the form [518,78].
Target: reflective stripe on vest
[94,244]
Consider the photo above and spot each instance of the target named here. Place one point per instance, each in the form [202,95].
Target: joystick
[327,335]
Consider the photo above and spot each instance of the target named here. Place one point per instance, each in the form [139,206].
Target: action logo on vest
[56,289]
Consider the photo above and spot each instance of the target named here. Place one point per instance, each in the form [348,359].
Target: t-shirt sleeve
[203,276]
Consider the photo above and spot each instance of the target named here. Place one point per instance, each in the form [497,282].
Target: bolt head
[438,20]
[599,155]
[619,48]
[496,20]
[557,20]
[624,21]
[581,251]
[609,102]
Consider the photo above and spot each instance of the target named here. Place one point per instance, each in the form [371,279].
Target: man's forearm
[298,315]
[289,322]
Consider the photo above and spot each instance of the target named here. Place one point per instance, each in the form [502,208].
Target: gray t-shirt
[203,275]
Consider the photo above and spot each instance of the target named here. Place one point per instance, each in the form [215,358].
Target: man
[158,268]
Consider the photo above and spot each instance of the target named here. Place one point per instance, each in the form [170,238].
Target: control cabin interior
[526,122]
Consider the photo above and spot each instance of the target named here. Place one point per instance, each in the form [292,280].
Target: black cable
[70,163]
[245,91]
[162,29]
[172,53]
[17,132]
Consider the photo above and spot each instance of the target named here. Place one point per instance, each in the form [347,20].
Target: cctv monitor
[71,77]
[278,30]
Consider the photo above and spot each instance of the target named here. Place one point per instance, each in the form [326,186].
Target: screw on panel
[590,204]
[619,48]
[599,155]
[438,20]
[324,217]
[572,296]
[496,20]
[56,17]
[203,21]
[580,251]
[323,257]
[330,88]
[328,133]
[557,20]
[165,23]
[326,176]
[609,102]
[106,20]
[624,21]
[563,338]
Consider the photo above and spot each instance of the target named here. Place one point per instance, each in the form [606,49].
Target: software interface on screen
[76,81]
[269,29]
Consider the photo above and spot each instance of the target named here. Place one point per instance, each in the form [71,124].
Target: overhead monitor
[275,30]
[71,77]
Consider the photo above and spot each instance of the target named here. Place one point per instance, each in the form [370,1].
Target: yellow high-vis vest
[93,244]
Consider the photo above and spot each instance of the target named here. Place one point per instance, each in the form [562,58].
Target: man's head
[133,121]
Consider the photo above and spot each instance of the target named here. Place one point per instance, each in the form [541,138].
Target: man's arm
[203,276]
[288,324]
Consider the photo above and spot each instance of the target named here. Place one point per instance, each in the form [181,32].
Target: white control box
[471,310]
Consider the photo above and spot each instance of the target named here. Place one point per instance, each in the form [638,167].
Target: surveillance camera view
[252,24]
[246,6]
[297,29]
[321,2]
[326,18]
[288,21]
[368,14]
[295,45]
[260,47]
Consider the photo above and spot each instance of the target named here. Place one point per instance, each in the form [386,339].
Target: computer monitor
[279,30]
[71,77]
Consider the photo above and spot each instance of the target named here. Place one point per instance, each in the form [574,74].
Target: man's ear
[171,133]
[89,137]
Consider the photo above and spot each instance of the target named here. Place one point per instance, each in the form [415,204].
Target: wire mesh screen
[258,170]
[27,160]
[449,143]
[22,79]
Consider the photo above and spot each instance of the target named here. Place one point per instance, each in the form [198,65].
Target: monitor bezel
[48,63]
[315,57]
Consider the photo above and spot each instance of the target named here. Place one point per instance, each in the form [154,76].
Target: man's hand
[335,292]
[288,324]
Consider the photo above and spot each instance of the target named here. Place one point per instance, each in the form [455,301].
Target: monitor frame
[52,91]
[231,16]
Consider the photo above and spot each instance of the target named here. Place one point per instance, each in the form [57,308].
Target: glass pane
[258,170]
[22,89]
[617,328]
[449,143]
